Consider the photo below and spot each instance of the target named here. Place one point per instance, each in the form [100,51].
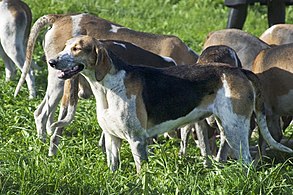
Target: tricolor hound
[134,102]
[65,27]
[275,71]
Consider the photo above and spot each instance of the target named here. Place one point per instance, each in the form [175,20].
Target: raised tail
[36,28]
[259,110]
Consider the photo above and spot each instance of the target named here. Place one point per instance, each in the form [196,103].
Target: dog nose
[52,63]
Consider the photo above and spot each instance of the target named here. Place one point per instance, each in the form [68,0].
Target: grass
[80,167]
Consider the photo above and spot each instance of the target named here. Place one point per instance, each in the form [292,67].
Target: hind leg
[10,70]
[275,129]
[14,48]
[224,147]
[236,132]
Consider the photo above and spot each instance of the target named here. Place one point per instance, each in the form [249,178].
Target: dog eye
[76,49]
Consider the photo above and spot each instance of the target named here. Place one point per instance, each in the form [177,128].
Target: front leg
[112,144]
[139,151]
[49,104]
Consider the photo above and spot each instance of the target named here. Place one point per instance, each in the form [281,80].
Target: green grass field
[80,166]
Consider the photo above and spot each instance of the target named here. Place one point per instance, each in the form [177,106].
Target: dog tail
[259,110]
[36,28]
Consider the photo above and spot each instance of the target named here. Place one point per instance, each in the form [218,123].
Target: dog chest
[117,113]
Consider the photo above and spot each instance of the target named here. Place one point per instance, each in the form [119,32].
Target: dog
[207,129]
[278,34]
[131,54]
[65,27]
[15,23]
[134,102]
[246,45]
[274,68]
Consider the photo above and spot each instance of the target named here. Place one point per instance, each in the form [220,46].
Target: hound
[65,27]
[278,34]
[274,68]
[206,129]
[134,103]
[246,45]
[129,53]
[16,18]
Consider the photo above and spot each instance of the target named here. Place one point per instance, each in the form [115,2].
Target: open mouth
[69,72]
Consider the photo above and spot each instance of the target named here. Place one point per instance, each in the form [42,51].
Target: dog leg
[201,129]
[66,114]
[223,149]
[274,126]
[185,132]
[237,137]
[139,152]
[113,145]
[54,140]
[49,103]
[102,142]
[17,55]
[10,70]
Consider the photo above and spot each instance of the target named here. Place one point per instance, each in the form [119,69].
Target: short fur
[246,45]
[134,114]
[278,34]
[65,27]
[216,54]
[275,71]
[15,25]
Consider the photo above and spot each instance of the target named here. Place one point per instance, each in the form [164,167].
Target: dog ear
[103,62]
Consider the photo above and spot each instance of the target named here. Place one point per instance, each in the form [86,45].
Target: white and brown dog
[278,34]
[65,27]
[129,53]
[246,45]
[206,130]
[15,23]
[134,103]
[274,68]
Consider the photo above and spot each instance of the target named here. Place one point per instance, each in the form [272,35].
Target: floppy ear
[103,62]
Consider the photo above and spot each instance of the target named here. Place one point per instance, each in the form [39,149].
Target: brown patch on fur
[241,96]
[134,87]
[61,31]
[70,89]
[274,68]
[103,62]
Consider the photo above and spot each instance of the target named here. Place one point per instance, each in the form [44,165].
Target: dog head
[82,53]
[219,54]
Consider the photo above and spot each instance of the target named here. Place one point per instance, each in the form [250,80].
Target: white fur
[226,87]
[120,44]
[115,28]
[12,48]
[75,24]
[168,59]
